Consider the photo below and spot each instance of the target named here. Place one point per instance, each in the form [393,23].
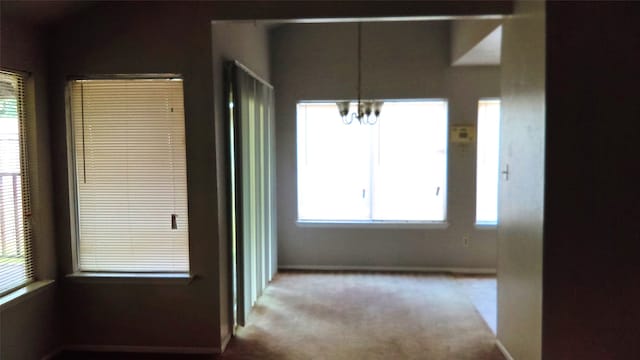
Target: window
[394,171]
[487,162]
[130,175]
[15,243]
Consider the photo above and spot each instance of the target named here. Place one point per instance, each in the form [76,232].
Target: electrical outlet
[465,240]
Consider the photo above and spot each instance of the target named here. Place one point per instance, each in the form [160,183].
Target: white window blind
[487,172]
[15,243]
[130,167]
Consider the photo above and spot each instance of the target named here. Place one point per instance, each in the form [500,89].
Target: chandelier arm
[363,109]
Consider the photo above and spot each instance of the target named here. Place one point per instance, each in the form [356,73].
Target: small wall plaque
[463,134]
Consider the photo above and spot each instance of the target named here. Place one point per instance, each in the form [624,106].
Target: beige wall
[27,326]
[521,196]
[401,60]
[465,34]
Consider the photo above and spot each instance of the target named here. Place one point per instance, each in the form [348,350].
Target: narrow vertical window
[130,175]
[487,162]
[15,232]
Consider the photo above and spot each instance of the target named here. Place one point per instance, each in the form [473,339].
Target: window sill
[486,226]
[23,293]
[373,224]
[132,278]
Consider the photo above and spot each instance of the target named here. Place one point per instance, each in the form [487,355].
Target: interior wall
[132,39]
[126,37]
[246,42]
[592,241]
[521,194]
[27,325]
[400,60]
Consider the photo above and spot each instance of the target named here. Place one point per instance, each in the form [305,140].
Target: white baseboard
[143,349]
[452,270]
[504,350]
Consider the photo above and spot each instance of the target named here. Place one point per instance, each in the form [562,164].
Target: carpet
[363,316]
[482,291]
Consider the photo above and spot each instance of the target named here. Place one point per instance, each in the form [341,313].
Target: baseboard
[451,270]
[225,342]
[53,353]
[143,349]
[503,350]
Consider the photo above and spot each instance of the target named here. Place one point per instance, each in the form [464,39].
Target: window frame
[25,176]
[374,223]
[110,276]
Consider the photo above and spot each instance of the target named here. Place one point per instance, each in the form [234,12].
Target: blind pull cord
[174,221]
[84,154]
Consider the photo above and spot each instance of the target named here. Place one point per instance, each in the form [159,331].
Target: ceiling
[42,13]
[480,51]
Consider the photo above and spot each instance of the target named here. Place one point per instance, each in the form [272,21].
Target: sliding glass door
[252,170]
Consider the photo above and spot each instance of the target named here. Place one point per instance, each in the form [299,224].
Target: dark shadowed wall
[28,325]
[129,40]
[592,201]
[146,40]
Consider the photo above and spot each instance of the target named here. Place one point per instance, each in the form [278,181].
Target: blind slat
[129,148]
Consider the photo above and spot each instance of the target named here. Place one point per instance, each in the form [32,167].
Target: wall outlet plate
[463,134]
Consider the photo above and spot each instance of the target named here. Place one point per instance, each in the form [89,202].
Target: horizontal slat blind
[131,175]
[15,243]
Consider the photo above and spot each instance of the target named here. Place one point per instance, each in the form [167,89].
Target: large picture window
[394,171]
[15,232]
[130,175]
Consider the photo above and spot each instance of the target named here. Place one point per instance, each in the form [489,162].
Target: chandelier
[364,108]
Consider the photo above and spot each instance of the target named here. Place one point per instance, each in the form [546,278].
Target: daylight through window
[487,162]
[394,171]
[15,232]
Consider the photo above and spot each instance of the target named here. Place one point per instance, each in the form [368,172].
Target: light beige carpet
[363,316]
[482,291]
